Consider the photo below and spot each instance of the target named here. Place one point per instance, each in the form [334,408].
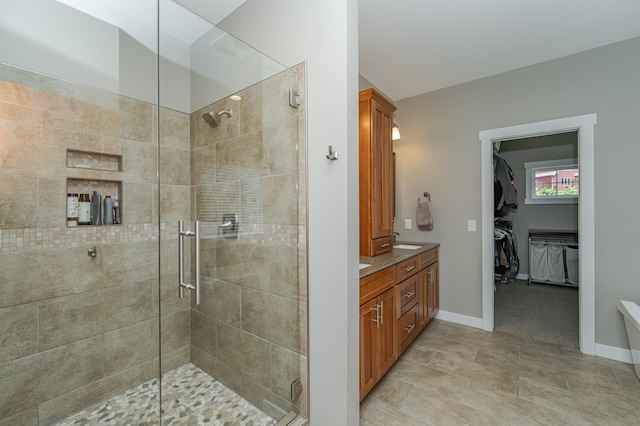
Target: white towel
[424,219]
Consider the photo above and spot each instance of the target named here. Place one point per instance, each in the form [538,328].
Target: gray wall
[440,153]
[538,216]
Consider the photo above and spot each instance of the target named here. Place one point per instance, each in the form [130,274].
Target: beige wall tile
[242,157]
[244,352]
[171,302]
[175,330]
[80,141]
[285,368]
[47,274]
[27,417]
[283,148]
[30,380]
[69,403]
[280,204]
[18,93]
[220,300]
[174,166]
[140,162]
[128,346]
[76,317]
[208,258]
[174,203]
[243,264]
[266,104]
[18,208]
[19,336]
[283,271]
[303,322]
[52,202]
[28,149]
[172,359]
[273,318]
[137,204]
[203,332]
[203,165]
[212,201]
[129,262]
[174,129]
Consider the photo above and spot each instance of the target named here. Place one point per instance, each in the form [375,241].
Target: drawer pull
[410,328]
[409,268]
[384,245]
[409,294]
[379,314]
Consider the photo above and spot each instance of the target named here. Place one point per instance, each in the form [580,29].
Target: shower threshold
[190,397]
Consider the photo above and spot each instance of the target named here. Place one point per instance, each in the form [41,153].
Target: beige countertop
[396,255]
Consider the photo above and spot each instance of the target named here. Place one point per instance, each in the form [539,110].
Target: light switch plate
[471,225]
[407,224]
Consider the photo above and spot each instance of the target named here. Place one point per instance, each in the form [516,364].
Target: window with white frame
[552,182]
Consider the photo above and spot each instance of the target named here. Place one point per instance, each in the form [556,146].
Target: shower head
[213,118]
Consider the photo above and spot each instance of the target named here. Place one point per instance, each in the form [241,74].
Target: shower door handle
[181,284]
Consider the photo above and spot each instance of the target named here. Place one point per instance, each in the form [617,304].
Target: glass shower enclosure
[126,128]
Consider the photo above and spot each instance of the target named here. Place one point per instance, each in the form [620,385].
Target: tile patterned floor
[190,397]
[457,375]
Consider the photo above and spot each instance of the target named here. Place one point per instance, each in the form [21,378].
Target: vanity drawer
[381,245]
[407,329]
[407,268]
[428,257]
[375,284]
[407,294]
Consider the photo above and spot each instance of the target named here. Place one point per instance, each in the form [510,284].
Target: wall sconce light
[395,132]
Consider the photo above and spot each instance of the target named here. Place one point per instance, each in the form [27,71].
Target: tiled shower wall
[75,329]
[250,329]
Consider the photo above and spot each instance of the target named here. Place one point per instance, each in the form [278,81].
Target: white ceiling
[409,47]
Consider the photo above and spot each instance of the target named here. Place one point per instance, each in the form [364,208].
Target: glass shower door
[79,318]
[232,159]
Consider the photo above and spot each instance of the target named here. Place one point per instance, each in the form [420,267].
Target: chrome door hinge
[296,389]
[294,99]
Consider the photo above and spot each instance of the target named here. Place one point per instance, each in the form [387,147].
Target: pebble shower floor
[190,397]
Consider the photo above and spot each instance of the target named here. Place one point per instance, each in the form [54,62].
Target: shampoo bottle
[96,208]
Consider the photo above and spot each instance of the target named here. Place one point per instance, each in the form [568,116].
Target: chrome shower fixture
[213,118]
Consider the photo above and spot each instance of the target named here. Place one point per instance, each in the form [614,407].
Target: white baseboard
[616,354]
[524,277]
[459,319]
[603,351]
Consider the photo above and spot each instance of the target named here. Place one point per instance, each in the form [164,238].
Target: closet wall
[538,216]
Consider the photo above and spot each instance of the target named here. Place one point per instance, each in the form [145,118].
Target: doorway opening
[584,126]
[537,252]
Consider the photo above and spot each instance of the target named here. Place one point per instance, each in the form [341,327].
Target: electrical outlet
[471,225]
[407,224]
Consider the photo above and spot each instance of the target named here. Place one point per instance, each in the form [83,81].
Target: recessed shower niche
[93,177]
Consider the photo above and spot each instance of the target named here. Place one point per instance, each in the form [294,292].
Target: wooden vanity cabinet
[378,350]
[376,173]
[428,291]
[396,304]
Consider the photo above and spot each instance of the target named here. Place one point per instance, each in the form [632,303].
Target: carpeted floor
[548,313]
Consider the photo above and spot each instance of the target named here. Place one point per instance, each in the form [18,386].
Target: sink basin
[364,265]
[407,246]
